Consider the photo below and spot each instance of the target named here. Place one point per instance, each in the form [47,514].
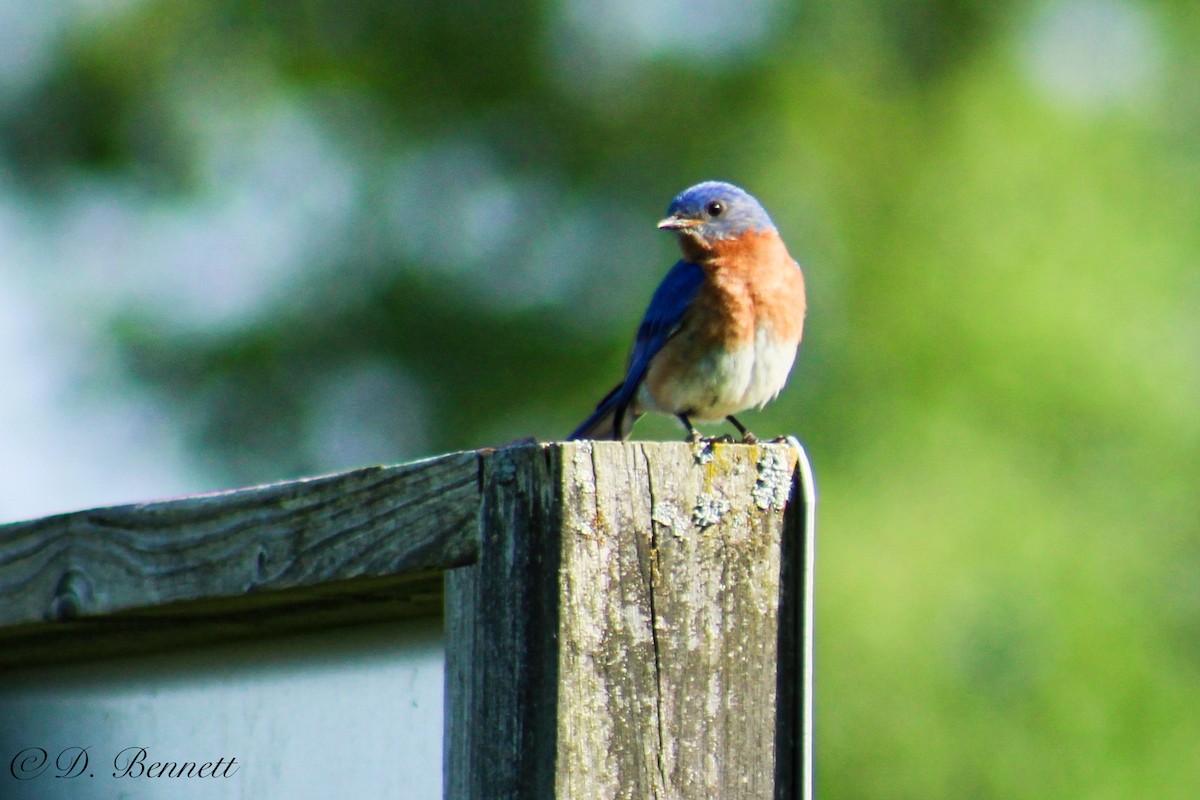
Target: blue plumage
[670,302]
[721,210]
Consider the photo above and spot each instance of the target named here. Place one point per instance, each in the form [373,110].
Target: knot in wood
[72,595]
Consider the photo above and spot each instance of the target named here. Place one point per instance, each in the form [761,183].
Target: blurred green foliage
[999,385]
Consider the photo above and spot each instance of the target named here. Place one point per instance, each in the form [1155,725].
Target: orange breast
[736,344]
[753,281]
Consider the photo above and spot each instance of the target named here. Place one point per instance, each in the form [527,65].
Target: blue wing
[670,302]
[663,316]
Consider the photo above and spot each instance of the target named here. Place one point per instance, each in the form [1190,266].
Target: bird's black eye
[715,208]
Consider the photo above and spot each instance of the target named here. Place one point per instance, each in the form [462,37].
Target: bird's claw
[695,438]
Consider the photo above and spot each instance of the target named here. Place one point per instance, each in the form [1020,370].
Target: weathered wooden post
[636,625]
[623,620]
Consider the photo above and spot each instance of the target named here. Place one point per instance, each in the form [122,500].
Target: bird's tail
[603,423]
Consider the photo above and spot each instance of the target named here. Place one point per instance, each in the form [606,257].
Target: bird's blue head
[713,210]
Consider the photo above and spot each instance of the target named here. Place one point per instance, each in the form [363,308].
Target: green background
[997,206]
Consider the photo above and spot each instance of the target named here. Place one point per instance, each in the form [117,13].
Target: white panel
[352,713]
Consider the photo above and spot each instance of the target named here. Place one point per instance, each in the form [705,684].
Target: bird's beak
[677,223]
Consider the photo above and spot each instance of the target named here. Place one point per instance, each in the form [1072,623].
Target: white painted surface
[352,713]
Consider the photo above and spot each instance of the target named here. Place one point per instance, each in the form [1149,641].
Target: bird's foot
[695,438]
[747,436]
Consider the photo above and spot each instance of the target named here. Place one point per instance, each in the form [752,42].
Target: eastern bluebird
[722,329]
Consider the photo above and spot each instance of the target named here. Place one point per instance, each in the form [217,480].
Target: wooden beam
[622,619]
[637,625]
[359,545]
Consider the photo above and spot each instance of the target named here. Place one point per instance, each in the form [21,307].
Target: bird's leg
[747,436]
[693,434]
[695,437]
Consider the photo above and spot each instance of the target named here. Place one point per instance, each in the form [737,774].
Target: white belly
[725,381]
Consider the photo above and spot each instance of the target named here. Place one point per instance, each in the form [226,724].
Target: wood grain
[233,561]
[624,636]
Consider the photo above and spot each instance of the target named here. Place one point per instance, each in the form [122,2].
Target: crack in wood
[653,572]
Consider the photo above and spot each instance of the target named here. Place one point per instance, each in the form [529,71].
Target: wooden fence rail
[623,620]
